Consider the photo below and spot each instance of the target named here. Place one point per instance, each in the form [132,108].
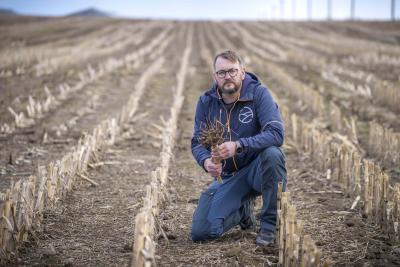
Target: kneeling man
[249,161]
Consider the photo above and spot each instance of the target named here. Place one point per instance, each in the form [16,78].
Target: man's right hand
[213,169]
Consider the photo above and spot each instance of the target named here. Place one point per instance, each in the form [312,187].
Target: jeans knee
[198,235]
[204,231]
[198,231]
[272,155]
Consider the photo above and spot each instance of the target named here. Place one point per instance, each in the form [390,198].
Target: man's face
[228,76]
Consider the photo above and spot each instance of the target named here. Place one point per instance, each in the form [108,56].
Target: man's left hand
[225,150]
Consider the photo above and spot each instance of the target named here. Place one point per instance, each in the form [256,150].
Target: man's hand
[214,169]
[225,150]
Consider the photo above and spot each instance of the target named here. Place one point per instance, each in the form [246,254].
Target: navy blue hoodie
[254,120]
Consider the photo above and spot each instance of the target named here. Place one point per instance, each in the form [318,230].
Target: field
[96,117]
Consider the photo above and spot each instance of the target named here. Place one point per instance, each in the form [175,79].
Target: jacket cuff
[201,162]
[245,145]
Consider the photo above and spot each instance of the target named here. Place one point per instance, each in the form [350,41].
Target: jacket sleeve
[269,117]
[200,153]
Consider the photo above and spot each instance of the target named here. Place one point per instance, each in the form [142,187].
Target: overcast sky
[207,9]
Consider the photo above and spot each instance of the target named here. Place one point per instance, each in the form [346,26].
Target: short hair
[230,55]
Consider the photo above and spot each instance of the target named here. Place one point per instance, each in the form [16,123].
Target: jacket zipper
[228,118]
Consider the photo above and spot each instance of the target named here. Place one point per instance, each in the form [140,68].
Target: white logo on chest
[246,115]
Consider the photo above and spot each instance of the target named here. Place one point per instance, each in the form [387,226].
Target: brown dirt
[344,236]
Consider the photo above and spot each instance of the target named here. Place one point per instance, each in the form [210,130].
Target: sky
[210,9]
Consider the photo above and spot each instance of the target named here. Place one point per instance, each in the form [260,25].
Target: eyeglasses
[222,73]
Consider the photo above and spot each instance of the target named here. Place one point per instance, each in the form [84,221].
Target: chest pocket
[245,121]
[245,115]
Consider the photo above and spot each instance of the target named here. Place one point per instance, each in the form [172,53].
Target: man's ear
[243,73]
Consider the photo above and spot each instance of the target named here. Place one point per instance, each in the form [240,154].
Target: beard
[229,87]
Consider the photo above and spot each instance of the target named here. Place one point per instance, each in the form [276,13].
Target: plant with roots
[212,135]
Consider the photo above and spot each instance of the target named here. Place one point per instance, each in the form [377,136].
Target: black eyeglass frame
[222,73]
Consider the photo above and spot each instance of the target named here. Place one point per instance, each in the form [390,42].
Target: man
[250,161]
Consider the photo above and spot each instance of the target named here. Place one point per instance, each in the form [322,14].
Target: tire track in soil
[94,226]
[187,180]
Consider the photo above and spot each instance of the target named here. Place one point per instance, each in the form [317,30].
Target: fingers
[216,157]
[214,167]
[217,154]
[214,170]
[224,151]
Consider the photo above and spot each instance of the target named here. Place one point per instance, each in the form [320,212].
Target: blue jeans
[222,205]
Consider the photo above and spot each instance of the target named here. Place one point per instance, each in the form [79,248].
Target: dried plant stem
[216,161]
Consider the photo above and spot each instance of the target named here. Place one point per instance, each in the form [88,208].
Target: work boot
[265,238]
[248,221]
